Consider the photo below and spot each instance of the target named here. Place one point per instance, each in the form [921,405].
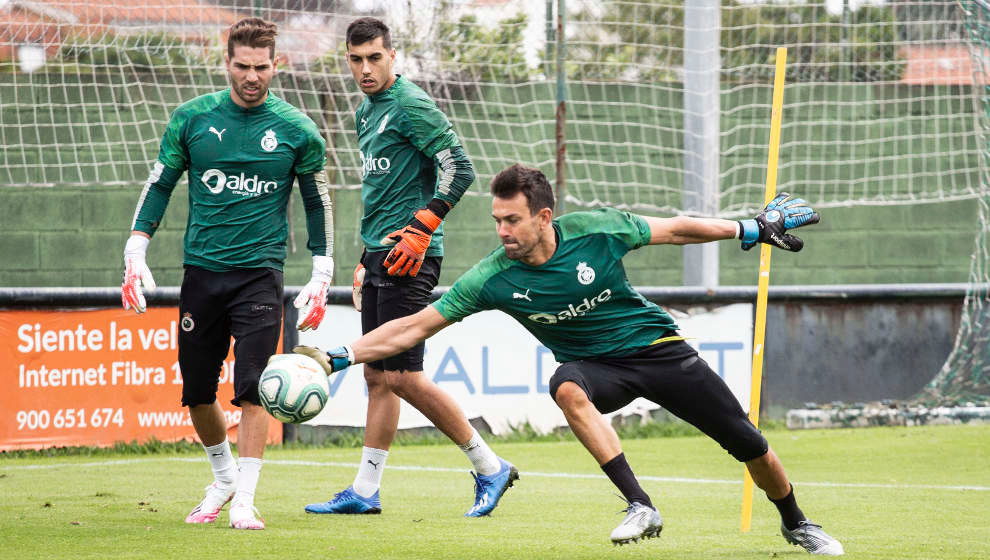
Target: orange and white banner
[70,378]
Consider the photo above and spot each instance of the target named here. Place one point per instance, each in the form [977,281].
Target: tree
[644,41]
[467,51]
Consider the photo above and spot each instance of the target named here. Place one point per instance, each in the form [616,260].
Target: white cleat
[207,510]
[641,522]
[245,516]
[812,538]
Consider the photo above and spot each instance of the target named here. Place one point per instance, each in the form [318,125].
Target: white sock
[249,471]
[369,475]
[485,460]
[222,461]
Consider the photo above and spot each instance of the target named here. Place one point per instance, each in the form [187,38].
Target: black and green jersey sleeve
[409,155]
[173,160]
[242,164]
[579,303]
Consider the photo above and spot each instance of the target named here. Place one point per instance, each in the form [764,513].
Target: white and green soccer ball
[293,388]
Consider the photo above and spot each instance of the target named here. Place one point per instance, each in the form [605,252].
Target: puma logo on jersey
[517,295]
[381,127]
[219,133]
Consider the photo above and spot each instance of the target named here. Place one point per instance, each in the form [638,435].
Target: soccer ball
[293,388]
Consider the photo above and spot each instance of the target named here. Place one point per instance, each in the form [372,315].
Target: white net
[965,377]
[878,109]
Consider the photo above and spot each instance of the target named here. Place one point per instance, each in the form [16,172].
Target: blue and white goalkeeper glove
[336,359]
[770,226]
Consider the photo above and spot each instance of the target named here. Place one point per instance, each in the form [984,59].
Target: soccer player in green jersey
[563,280]
[243,148]
[414,171]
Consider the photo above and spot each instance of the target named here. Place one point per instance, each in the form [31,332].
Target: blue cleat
[488,489]
[348,501]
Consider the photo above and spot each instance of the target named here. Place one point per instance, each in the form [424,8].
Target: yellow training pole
[760,328]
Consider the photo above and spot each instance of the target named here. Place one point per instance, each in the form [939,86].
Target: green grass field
[890,493]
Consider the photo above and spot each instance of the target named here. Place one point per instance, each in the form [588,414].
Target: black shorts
[672,375]
[213,306]
[385,297]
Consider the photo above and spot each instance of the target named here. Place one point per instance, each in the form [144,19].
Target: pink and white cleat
[208,510]
[245,516]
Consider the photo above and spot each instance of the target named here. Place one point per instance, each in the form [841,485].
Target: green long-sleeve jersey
[242,163]
[579,303]
[405,140]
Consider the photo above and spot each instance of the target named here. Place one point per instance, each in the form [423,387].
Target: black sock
[622,477]
[790,513]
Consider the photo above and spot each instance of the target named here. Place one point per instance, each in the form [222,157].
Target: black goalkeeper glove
[770,225]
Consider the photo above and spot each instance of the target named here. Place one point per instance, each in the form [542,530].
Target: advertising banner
[97,377]
[496,370]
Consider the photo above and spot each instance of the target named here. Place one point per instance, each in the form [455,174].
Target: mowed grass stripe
[650,478]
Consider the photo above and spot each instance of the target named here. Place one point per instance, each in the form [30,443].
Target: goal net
[878,107]
[966,374]
[886,102]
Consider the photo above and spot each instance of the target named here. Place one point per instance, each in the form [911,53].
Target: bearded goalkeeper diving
[613,344]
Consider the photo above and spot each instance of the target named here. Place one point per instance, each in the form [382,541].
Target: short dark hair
[252,32]
[366,29]
[527,180]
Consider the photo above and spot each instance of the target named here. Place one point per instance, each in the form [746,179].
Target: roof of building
[937,65]
[124,12]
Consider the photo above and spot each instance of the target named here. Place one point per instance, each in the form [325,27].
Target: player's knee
[570,395]
[749,444]
[396,382]
[376,379]
[193,395]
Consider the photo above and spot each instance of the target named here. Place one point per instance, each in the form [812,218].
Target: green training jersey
[579,303]
[242,163]
[400,131]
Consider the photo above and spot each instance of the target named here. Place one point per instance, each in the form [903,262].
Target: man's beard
[262,91]
[517,251]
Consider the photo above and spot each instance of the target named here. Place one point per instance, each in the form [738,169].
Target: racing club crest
[269,142]
[585,274]
[187,322]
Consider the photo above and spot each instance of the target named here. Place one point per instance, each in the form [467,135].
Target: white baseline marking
[295,463]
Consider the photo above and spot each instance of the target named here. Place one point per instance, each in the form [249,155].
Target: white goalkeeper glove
[312,300]
[136,274]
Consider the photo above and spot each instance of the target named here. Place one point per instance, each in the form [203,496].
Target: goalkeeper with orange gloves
[414,171]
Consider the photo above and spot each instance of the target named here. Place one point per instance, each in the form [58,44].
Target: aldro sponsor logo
[371,165]
[572,310]
[216,180]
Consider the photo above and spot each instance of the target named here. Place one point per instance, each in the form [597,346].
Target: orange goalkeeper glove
[411,242]
[357,287]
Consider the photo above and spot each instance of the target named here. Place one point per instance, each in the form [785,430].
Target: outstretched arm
[398,335]
[769,226]
[387,340]
[684,230]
